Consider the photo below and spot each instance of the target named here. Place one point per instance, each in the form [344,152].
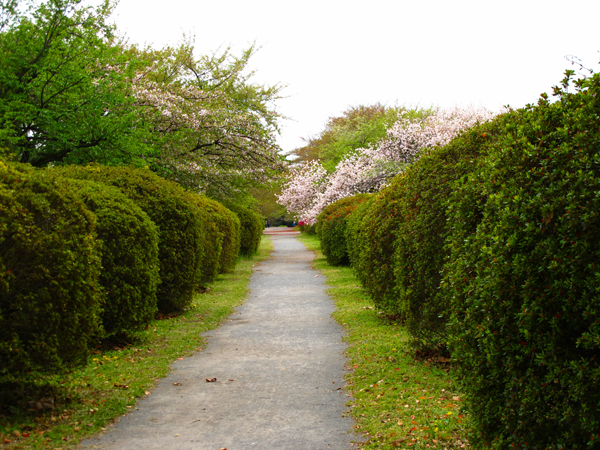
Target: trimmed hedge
[228,224]
[251,228]
[375,268]
[524,279]
[181,240]
[357,240]
[49,269]
[421,229]
[129,242]
[331,228]
[211,256]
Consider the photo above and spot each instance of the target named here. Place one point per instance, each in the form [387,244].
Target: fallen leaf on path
[211,380]
[123,386]
[176,384]
[231,379]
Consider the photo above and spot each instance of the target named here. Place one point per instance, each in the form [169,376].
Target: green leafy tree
[61,99]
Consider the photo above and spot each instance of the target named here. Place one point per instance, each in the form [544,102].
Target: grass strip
[397,401]
[88,400]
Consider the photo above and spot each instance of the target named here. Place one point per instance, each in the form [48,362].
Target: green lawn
[397,402]
[90,398]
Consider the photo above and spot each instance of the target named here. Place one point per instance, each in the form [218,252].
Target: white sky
[332,54]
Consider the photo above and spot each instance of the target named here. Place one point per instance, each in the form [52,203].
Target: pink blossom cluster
[310,189]
[204,138]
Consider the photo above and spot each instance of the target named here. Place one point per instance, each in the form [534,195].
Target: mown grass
[87,400]
[397,401]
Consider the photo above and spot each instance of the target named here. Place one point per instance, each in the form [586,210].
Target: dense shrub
[228,225]
[419,253]
[180,234]
[380,223]
[524,280]
[210,260]
[331,228]
[356,239]
[129,242]
[49,269]
[251,228]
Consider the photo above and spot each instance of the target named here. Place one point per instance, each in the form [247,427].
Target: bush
[129,242]
[524,282]
[49,269]
[180,234]
[357,240]
[421,230]
[251,228]
[331,228]
[380,223]
[213,246]
[228,224]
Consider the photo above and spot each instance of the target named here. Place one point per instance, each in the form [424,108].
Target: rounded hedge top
[167,205]
[49,267]
[129,277]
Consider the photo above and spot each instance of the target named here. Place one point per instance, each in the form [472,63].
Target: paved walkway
[279,368]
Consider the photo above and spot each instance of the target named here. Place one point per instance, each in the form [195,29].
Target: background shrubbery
[228,224]
[331,228]
[251,227]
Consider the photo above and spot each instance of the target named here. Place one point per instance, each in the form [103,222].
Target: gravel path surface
[279,367]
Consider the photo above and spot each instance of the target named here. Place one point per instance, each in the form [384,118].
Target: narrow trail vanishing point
[279,367]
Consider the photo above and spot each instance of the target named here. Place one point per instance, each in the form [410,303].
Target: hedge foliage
[251,228]
[420,227]
[524,278]
[181,240]
[331,228]
[129,246]
[229,227]
[357,240]
[210,258]
[375,268]
[49,269]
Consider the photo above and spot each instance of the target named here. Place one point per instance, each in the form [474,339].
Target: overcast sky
[332,54]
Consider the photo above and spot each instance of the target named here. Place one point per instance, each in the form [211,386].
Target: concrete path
[279,368]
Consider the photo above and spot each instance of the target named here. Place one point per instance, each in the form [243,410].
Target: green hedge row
[488,249]
[331,228]
[90,252]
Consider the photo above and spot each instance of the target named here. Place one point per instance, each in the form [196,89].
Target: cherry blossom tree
[309,190]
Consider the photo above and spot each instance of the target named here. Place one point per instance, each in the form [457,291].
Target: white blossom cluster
[310,189]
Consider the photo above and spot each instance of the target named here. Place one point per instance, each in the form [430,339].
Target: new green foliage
[49,269]
[523,278]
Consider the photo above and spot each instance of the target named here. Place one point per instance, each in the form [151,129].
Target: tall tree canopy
[72,92]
